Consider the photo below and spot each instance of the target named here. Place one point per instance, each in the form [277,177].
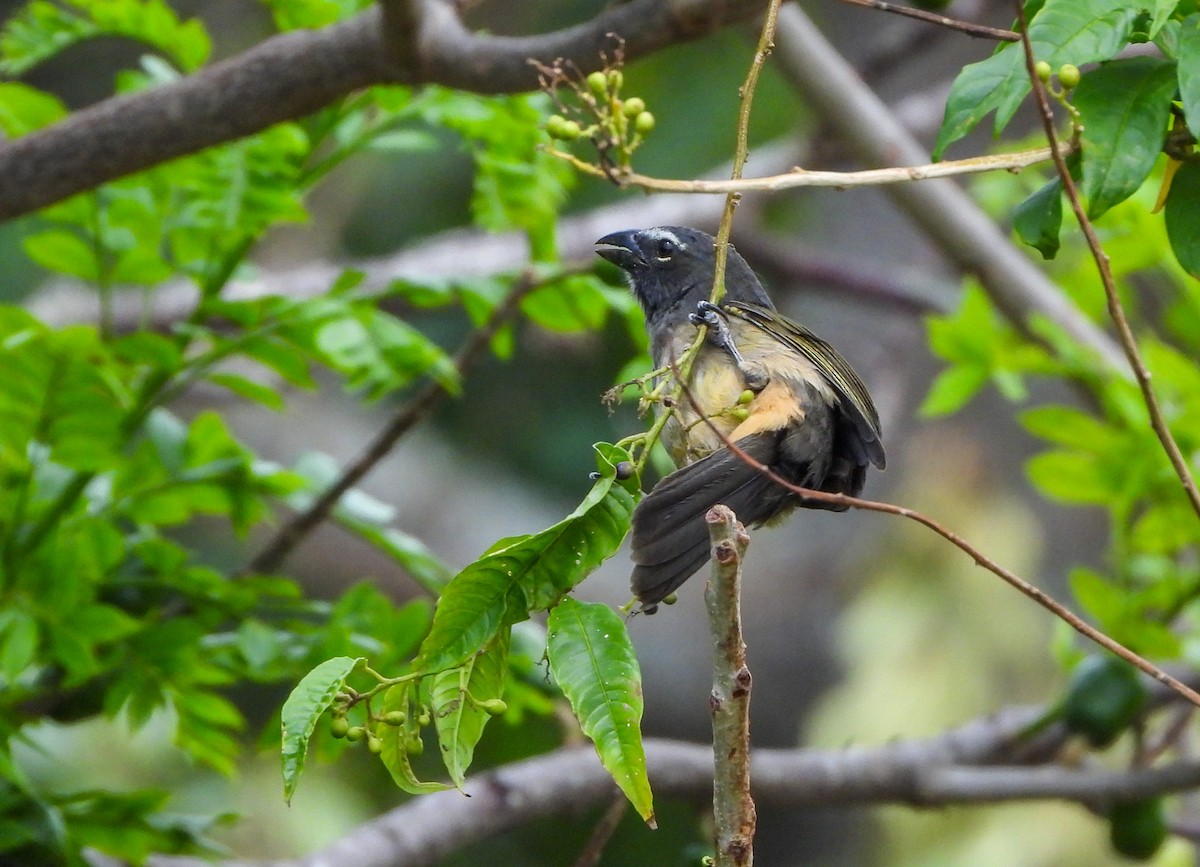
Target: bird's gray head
[670,269]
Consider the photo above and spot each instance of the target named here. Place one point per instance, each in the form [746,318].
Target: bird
[769,385]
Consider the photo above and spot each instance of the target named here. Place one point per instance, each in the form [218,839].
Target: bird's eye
[666,249]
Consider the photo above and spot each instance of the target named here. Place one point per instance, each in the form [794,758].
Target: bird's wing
[856,401]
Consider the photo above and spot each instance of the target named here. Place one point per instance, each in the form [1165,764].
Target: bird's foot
[710,316]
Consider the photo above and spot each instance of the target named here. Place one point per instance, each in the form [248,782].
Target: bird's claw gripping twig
[712,317]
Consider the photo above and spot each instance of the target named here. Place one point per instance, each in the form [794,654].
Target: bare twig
[1037,595]
[967,27]
[799,177]
[734,818]
[413,411]
[1115,310]
[605,828]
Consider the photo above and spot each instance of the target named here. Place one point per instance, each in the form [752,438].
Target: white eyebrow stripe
[658,233]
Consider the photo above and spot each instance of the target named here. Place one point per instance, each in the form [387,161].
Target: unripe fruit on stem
[624,470]
[644,122]
[615,79]
[1068,76]
[374,745]
[597,83]
[423,719]
[414,746]
[670,599]
[355,733]
[739,413]
[746,398]
[339,727]
[395,717]
[494,706]
[1043,70]
[633,106]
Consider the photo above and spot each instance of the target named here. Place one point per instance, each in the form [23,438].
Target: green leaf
[568,305]
[1182,217]
[1097,596]
[18,643]
[394,753]
[1124,105]
[531,572]
[1068,426]
[24,109]
[249,389]
[593,661]
[455,694]
[1072,477]
[64,252]
[1189,69]
[952,388]
[311,697]
[1163,10]
[410,552]
[41,30]
[1038,220]
[1063,31]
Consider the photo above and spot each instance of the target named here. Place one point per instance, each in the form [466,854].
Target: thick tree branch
[989,759]
[294,74]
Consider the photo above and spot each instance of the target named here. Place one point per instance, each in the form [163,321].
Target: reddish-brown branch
[1039,596]
[966,27]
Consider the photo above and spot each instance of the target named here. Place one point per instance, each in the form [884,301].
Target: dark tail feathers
[669,541]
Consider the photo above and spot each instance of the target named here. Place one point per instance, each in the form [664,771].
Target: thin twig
[1115,310]
[413,411]
[734,818]
[966,27]
[602,833]
[798,177]
[1039,596]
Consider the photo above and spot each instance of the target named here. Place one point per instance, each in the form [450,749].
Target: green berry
[374,744]
[1137,829]
[1043,70]
[746,398]
[355,733]
[633,106]
[597,83]
[395,718]
[739,413]
[615,80]
[644,122]
[1103,699]
[1068,76]
[670,599]
[494,706]
[414,746]
[570,130]
[339,727]
[423,718]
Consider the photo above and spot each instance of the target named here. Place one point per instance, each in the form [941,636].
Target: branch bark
[734,817]
[990,759]
[294,74]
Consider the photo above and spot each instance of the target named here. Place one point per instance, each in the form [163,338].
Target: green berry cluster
[406,724]
[615,125]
